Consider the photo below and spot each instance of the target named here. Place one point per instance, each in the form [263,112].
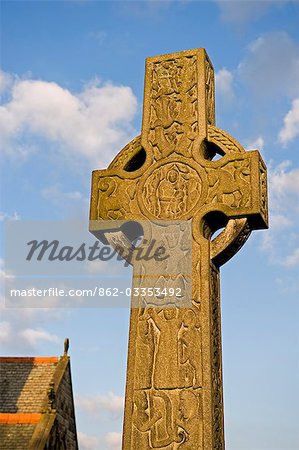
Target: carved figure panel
[115,198]
[230,184]
[170,331]
[190,356]
[167,420]
[173,106]
[172,190]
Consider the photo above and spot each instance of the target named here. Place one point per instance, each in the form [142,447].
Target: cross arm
[237,187]
[113,196]
[113,200]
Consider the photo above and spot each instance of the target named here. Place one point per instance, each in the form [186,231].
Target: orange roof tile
[21,418]
[32,360]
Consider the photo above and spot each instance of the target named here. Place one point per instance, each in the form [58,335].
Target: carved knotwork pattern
[224,140]
[130,150]
[215,135]
[210,92]
[263,190]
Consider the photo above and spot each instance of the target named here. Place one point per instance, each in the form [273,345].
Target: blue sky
[71,91]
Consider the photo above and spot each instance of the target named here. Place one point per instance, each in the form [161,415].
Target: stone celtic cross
[174,378]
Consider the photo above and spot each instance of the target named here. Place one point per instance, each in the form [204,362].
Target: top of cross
[178,102]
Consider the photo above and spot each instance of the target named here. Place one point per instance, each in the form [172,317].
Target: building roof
[24,383]
[28,400]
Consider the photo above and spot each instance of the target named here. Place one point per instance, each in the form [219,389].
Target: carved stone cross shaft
[174,379]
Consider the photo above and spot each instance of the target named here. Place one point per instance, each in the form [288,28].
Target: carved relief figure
[145,348]
[112,204]
[167,192]
[171,191]
[196,270]
[173,116]
[152,421]
[190,421]
[190,357]
[142,422]
[185,261]
[162,435]
[166,370]
[223,182]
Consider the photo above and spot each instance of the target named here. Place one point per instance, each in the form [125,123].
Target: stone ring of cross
[132,158]
[169,172]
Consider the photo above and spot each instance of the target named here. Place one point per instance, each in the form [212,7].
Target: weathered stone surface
[174,377]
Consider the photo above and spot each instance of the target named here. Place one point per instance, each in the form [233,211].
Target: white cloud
[113,440]
[5,81]
[293,259]
[271,66]
[5,330]
[4,274]
[287,285]
[56,195]
[13,334]
[16,337]
[67,203]
[6,216]
[21,329]
[224,84]
[290,129]
[88,442]
[279,221]
[271,70]
[91,124]
[33,336]
[284,179]
[238,13]
[100,267]
[281,241]
[256,144]
[97,404]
